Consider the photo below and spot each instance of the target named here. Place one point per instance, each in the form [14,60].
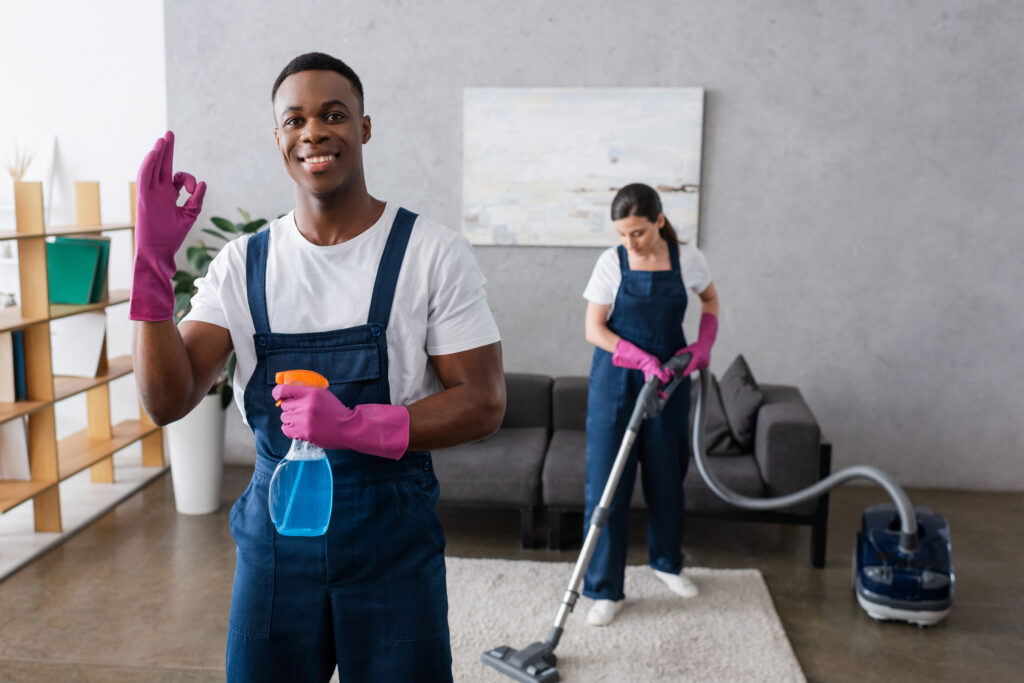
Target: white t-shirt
[440,306]
[605,279]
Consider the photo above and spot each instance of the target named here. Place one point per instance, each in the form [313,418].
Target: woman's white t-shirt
[605,279]
[440,304]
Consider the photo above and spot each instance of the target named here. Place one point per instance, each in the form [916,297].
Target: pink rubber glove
[160,228]
[701,349]
[629,356]
[316,415]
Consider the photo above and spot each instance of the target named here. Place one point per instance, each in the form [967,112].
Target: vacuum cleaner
[891,584]
[902,563]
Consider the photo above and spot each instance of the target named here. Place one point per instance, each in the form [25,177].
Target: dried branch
[19,165]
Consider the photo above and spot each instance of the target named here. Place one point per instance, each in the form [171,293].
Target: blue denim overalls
[369,595]
[648,312]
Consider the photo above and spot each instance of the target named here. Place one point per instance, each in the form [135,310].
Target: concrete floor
[143,593]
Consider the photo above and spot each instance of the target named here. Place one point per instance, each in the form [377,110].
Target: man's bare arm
[175,366]
[471,406]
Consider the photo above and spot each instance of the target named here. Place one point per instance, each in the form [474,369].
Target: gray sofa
[504,470]
[537,460]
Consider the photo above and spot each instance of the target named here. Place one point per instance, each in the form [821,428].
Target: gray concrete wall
[861,194]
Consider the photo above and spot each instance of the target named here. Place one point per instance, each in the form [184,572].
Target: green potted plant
[196,442]
[199,258]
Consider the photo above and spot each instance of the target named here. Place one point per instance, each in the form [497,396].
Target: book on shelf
[20,379]
[77,343]
[77,269]
[99,285]
[14,462]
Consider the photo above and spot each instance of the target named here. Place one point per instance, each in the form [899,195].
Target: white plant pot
[196,444]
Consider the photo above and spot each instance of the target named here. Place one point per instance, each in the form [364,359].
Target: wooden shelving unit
[52,461]
[66,387]
[80,450]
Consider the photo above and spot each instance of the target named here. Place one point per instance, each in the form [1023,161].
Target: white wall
[93,75]
[860,198]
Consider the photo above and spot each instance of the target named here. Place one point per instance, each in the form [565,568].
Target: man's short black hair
[318,61]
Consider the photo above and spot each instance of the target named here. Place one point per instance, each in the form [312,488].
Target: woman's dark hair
[642,200]
[318,61]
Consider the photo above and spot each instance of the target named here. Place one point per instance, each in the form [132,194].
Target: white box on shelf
[14,450]
[76,343]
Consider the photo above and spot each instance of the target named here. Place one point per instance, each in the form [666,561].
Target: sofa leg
[819,528]
[555,521]
[526,527]
[819,533]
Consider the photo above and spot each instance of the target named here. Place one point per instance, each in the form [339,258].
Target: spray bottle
[302,488]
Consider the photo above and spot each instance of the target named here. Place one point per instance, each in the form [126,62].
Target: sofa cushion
[741,397]
[503,469]
[564,478]
[569,403]
[740,474]
[564,474]
[718,439]
[528,400]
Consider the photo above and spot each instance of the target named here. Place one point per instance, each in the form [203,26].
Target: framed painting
[541,165]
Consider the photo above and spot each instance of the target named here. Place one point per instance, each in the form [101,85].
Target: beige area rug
[730,632]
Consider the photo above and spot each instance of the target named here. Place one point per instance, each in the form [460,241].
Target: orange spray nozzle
[305,378]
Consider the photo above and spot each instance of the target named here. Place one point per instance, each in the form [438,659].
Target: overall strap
[623,259]
[673,254]
[390,266]
[256,280]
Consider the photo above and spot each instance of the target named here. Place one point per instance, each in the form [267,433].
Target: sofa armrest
[787,443]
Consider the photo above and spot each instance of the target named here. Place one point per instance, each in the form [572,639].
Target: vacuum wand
[650,403]
[535,663]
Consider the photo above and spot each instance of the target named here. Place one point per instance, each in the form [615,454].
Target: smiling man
[391,308]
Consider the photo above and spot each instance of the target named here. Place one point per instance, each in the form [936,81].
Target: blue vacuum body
[891,584]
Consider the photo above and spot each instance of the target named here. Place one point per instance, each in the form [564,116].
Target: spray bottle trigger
[305,378]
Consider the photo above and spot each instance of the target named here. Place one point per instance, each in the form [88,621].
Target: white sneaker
[603,612]
[679,583]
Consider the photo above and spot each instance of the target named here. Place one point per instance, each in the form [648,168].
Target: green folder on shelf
[72,267]
[99,285]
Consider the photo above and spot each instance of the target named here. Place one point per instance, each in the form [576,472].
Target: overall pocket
[416,581]
[637,287]
[252,597]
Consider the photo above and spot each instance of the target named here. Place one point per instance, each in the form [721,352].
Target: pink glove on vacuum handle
[160,228]
[316,415]
[630,356]
[701,349]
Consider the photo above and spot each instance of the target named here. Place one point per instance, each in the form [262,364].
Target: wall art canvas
[541,165]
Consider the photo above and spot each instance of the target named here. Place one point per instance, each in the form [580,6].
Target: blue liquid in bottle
[302,492]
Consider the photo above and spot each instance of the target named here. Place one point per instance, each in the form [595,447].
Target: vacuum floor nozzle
[535,663]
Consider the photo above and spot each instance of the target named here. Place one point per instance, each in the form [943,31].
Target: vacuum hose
[908,521]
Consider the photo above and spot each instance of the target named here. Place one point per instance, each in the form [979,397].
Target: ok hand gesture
[160,228]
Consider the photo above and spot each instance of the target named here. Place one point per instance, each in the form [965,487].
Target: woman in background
[637,296]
